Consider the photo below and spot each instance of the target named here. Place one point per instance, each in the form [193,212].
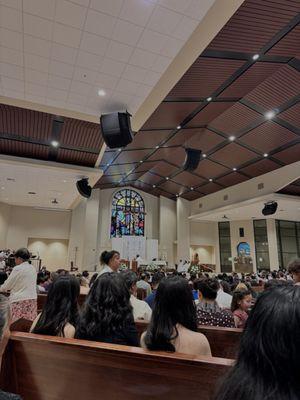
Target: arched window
[127,214]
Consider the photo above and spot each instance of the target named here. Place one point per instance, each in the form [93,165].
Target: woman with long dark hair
[173,325]
[107,314]
[268,363]
[60,314]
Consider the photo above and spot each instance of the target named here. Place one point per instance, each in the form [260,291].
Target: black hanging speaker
[116,129]
[84,188]
[270,208]
[192,159]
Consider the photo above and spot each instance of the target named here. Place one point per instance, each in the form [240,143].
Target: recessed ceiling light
[192,188]
[209,99]
[178,127]
[255,57]
[141,161]
[203,155]
[101,92]
[54,143]
[266,154]
[231,138]
[119,149]
[177,195]
[210,180]
[107,165]
[270,114]
[157,147]
[233,169]
[154,186]
[167,178]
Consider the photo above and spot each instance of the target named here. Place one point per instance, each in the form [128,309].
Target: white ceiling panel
[61,52]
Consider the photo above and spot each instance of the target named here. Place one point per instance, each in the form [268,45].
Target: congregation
[174,306]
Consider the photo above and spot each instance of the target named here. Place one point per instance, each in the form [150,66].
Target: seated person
[208,310]
[60,314]
[294,270]
[268,362]
[141,309]
[4,336]
[240,306]
[173,325]
[157,277]
[142,283]
[107,314]
[223,299]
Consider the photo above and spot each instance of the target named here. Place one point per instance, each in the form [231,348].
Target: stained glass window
[127,214]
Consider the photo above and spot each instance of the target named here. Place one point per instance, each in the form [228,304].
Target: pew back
[47,368]
[224,342]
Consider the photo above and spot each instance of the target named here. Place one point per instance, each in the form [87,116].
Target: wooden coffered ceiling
[238,141]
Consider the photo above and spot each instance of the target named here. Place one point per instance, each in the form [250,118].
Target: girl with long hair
[173,325]
[60,314]
[268,363]
[240,306]
[107,314]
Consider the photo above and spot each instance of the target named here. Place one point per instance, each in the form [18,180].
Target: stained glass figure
[127,214]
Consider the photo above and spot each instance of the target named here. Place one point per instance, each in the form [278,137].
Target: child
[240,305]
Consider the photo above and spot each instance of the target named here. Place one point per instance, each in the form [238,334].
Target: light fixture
[231,138]
[192,188]
[157,147]
[177,195]
[210,180]
[119,149]
[203,155]
[234,169]
[270,114]
[209,99]
[101,92]
[154,186]
[255,57]
[266,154]
[141,161]
[54,143]
[167,178]
[107,164]
[178,127]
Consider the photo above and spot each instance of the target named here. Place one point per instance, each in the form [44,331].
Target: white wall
[206,254]
[204,240]
[27,222]
[53,252]
[248,237]
[5,210]
[167,229]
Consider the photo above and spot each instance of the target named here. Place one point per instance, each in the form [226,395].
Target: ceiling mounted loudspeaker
[192,159]
[116,129]
[84,188]
[270,208]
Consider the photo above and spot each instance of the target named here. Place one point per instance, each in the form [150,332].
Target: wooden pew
[41,300]
[51,368]
[224,342]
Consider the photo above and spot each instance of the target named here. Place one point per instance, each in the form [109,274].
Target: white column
[272,242]
[167,229]
[183,229]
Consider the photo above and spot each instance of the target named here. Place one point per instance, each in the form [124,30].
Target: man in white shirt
[141,310]
[223,299]
[143,284]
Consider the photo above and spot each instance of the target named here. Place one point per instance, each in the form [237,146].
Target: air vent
[225,197]
[11,179]
[31,192]
[260,186]
[200,205]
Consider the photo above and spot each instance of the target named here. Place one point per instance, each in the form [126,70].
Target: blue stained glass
[128,214]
